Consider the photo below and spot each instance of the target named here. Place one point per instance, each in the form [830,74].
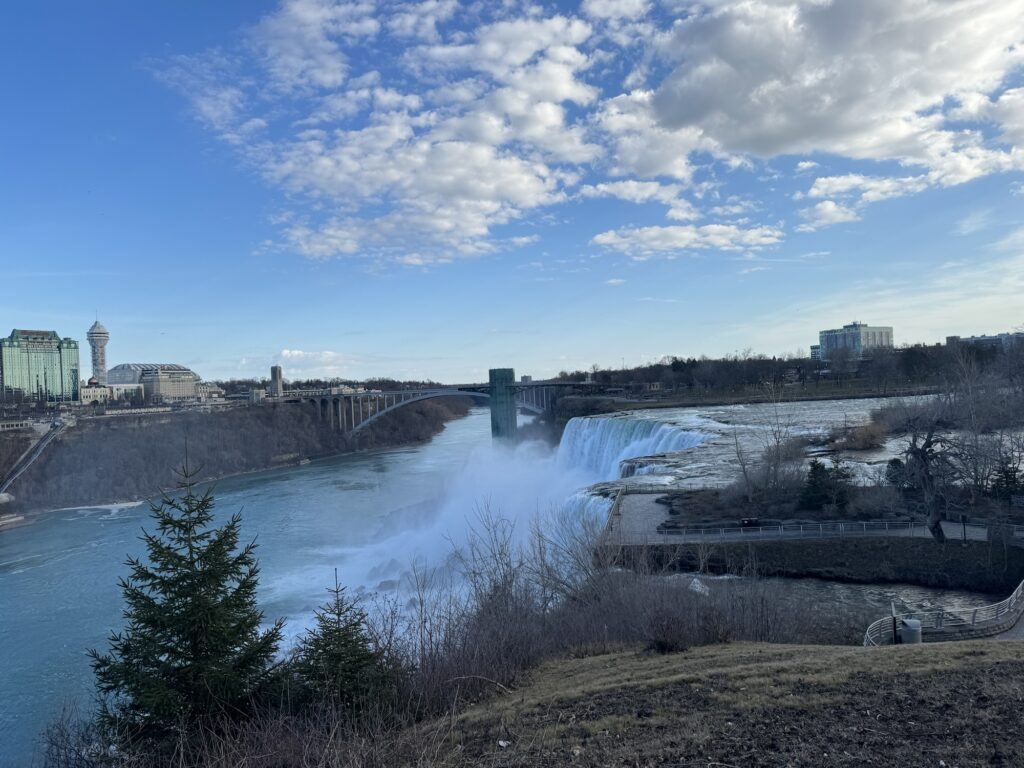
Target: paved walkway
[636,518]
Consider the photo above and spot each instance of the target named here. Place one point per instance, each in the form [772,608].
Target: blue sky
[430,189]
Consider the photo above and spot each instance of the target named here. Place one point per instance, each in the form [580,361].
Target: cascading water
[597,444]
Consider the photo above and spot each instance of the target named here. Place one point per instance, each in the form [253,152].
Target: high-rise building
[276,381]
[856,337]
[39,366]
[98,338]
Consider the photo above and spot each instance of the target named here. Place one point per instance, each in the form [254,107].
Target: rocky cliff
[106,460]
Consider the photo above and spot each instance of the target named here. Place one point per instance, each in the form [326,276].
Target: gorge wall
[126,458]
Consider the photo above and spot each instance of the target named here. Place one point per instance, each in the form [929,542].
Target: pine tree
[192,646]
[815,493]
[335,659]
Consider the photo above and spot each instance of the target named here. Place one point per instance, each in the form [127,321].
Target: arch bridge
[352,412]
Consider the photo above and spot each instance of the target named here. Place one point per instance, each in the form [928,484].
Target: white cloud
[866,80]
[644,242]
[615,9]
[634,191]
[304,363]
[824,214]
[420,20]
[734,206]
[615,281]
[412,129]
[640,146]
[1012,242]
[299,43]
[867,189]
[973,222]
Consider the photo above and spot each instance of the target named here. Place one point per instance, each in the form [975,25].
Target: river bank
[131,458]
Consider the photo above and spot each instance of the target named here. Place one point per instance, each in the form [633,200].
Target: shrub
[335,660]
[866,437]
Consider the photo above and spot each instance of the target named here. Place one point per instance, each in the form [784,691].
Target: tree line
[881,369]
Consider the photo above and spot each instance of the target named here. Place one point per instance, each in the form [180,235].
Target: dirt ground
[950,704]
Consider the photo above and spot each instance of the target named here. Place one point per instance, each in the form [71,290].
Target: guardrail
[953,624]
[803,530]
[795,531]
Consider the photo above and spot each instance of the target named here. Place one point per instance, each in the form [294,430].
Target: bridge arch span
[419,397]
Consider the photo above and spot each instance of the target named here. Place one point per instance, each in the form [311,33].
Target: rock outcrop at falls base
[126,458]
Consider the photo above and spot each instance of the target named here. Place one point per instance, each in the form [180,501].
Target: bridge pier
[503,403]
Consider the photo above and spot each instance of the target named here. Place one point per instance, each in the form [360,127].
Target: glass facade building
[38,366]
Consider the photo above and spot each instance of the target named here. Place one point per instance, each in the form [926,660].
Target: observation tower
[98,337]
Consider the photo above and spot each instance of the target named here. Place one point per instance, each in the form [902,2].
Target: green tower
[503,403]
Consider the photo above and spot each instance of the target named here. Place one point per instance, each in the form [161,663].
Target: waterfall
[586,506]
[597,444]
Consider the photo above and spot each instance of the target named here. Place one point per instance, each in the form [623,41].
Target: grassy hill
[756,705]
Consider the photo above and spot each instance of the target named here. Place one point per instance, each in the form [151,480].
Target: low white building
[91,392]
[161,382]
[206,392]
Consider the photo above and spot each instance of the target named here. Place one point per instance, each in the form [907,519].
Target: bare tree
[926,468]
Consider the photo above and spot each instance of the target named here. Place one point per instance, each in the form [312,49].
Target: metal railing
[795,531]
[804,530]
[955,623]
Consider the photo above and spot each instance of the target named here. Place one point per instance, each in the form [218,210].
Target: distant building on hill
[38,366]
[856,337]
[161,382]
[276,388]
[998,341]
[207,392]
[93,392]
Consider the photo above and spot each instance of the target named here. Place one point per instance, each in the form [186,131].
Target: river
[369,515]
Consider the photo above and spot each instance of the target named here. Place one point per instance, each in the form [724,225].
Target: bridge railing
[953,623]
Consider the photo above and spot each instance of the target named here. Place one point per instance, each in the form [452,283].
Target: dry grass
[759,705]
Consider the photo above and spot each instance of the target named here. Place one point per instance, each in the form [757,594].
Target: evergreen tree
[1007,480]
[335,659]
[192,646]
[896,473]
[815,493]
[826,485]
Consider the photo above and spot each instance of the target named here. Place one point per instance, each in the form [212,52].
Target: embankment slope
[123,458]
[758,705]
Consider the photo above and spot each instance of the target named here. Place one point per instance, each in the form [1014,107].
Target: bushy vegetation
[360,685]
